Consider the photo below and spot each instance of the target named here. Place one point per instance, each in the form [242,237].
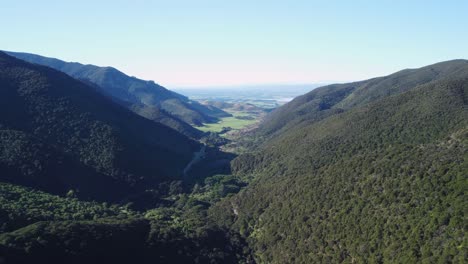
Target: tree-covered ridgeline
[381,183]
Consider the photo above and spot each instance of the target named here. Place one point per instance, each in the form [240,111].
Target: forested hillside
[336,98]
[58,134]
[145,98]
[376,180]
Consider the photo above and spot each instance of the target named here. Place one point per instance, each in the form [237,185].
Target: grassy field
[231,122]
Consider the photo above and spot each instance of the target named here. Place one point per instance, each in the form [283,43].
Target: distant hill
[157,114]
[59,134]
[233,106]
[218,104]
[366,172]
[144,97]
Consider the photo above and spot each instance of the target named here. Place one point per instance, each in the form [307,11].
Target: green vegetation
[368,172]
[333,99]
[21,206]
[380,183]
[237,121]
[44,227]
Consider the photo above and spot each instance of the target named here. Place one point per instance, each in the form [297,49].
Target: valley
[234,132]
[237,121]
[231,179]
[247,106]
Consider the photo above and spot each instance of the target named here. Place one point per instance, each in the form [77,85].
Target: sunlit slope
[379,182]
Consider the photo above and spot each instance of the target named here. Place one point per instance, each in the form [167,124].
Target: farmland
[239,120]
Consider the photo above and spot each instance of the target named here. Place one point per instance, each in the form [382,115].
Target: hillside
[58,134]
[378,177]
[333,99]
[159,115]
[143,97]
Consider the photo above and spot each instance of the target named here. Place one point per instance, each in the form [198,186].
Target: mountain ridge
[335,98]
[136,94]
[49,114]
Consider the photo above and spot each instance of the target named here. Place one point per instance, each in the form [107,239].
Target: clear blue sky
[197,43]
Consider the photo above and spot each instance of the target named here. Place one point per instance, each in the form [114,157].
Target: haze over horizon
[209,43]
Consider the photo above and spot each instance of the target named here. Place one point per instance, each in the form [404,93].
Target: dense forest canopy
[378,182]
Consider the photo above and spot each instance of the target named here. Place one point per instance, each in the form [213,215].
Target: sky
[202,43]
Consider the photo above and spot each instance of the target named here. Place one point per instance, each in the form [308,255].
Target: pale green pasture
[231,122]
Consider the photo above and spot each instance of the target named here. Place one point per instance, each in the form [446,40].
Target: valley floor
[238,120]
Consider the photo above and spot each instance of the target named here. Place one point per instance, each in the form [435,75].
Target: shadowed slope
[59,133]
[172,109]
